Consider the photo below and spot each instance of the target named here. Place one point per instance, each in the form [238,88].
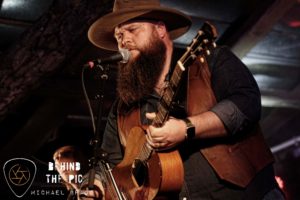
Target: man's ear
[161,29]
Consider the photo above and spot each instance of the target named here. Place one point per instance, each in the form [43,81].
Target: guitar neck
[164,105]
[168,96]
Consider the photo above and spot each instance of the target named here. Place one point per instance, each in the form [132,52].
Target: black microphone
[122,55]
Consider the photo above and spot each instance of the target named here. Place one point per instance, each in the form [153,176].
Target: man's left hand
[167,136]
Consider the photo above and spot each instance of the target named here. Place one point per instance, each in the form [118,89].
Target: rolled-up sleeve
[236,91]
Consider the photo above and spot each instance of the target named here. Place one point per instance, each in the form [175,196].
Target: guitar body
[162,173]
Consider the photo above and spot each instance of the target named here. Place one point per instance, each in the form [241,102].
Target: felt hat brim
[101,32]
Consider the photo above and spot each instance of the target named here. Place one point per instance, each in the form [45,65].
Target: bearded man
[138,77]
[217,136]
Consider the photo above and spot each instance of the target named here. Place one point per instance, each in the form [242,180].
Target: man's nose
[126,41]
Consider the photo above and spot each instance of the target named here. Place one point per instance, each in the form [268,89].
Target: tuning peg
[202,59]
[214,45]
[199,48]
[188,49]
[207,52]
[205,41]
[193,56]
[193,42]
[200,32]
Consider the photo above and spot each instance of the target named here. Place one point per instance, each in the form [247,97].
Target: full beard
[138,77]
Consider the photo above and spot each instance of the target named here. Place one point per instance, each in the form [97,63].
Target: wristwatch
[190,129]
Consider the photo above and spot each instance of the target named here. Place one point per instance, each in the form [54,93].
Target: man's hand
[89,195]
[94,194]
[167,136]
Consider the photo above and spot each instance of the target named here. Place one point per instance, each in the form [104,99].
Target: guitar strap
[236,163]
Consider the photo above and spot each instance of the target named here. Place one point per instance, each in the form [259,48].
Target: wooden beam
[45,48]
[263,26]
[13,22]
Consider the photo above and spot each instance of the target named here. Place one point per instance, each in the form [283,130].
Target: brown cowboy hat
[101,32]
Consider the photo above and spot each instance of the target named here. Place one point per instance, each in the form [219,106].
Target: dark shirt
[238,106]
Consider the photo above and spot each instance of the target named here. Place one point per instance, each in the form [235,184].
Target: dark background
[43,45]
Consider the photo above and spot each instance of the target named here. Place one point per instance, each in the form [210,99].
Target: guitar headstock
[202,44]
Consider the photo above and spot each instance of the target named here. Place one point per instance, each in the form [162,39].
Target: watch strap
[190,129]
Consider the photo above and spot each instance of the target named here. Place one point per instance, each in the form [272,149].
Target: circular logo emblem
[19,175]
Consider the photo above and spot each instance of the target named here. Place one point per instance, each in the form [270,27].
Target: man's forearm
[208,125]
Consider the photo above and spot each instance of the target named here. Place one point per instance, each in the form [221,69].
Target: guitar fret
[156,121]
[168,96]
[174,82]
[160,118]
[163,112]
[176,77]
[145,153]
[160,115]
[142,154]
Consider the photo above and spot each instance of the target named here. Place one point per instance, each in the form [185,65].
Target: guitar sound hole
[139,172]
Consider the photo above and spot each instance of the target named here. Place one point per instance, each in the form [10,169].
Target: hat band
[134,4]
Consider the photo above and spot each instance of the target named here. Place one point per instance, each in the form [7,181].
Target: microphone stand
[99,154]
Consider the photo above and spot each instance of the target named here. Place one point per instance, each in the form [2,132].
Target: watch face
[190,132]
[190,129]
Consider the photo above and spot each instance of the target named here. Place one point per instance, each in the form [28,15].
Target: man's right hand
[89,195]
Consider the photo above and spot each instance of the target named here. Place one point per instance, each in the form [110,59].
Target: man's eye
[132,29]
[118,37]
